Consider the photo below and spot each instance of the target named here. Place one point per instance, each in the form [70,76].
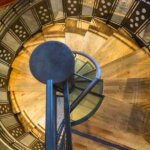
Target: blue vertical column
[67,117]
[51,113]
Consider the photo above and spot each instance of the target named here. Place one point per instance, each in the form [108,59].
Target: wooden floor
[124,115]
[82,143]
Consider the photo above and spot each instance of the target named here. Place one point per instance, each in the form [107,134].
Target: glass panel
[145,34]
[86,107]
[87,8]
[74,94]
[78,64]
[86,68]
[121,10]
[57,8]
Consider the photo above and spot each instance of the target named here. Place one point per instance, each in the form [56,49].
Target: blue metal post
[51,127]
[67,117]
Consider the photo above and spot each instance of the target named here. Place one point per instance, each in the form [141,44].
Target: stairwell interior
[116,34]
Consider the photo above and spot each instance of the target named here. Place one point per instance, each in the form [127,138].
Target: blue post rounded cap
[52,61]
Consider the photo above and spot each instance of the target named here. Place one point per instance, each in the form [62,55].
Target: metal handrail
[91,85]
[98,70]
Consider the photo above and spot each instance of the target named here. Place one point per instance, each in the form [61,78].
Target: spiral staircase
[115,114]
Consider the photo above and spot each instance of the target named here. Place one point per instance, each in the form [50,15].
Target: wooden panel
[118,122]
[55,32]
[134,65]
[99,26]
[76,43]
[92,42]
[116,47]
[129,90]
[75,31]
[36,39]
[81,143]
[73,25]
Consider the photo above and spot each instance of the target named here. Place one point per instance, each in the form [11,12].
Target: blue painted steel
[99,140]
[51,113]
[91,85]
[52,60]
[83,94]
[67,117]
[51,136]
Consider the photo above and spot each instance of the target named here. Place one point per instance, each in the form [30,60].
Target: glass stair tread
[86,68]
[86,108]
[90,75]
[78,64]
[97,89]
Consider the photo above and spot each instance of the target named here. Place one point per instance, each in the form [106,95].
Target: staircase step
[78,64]
[99,26]
[32,106]
[29,49]
[57,38]
[74,32]
[96,36]
[87,141]
[85,68]
[117,121]
[74,94]
[92,42]
[116,47]
[16,73]
[83,143]
[36,39]
[75,25]
[122,32]
[86,107]
[97,89]
[54,29]
[54,32]
[32,102]
[74,40]
[90,75]
[134,65]
[21,63]
[131,90]
[87,102]
[21,82]
[144,105]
